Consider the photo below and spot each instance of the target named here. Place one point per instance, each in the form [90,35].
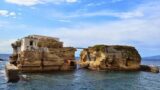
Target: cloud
[80,13]
[118,32]
[139,11]
[71,1]
[139,28]
[24,2]
[143,34]
[4,13]
[7,13]
[115,1]
[35,2]
[120,15]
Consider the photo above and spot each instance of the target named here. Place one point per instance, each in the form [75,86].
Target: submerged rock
[114,57]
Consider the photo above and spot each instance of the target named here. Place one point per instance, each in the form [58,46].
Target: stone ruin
[114,57]
[41,53]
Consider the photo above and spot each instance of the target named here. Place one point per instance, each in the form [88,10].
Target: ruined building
[42,53]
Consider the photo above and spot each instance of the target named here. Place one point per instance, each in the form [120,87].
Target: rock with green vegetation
[110,57]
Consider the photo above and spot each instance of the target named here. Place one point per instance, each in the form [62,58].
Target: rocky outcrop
[114,57]
[12,73]
[148,68]
[36,53]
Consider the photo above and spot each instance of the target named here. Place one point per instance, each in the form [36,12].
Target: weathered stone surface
[41,53]
[115,57]
[12,73]
[148,68]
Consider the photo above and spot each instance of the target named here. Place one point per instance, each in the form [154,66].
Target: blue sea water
[85,80]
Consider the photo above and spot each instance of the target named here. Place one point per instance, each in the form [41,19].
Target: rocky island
[42,53]
[36,53]
[113,58]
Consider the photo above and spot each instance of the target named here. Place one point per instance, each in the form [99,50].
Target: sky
[83,23]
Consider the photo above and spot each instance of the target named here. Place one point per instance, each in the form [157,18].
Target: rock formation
[41,53]
[114,57]
[148,68]
[12,73]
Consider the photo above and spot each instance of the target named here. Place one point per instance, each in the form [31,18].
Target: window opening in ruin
[31,43]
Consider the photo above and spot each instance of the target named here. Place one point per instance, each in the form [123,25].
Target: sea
[82,79]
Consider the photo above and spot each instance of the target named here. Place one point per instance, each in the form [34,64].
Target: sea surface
[84,80]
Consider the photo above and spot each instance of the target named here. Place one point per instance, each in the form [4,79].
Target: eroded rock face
[104,57]
[36,53]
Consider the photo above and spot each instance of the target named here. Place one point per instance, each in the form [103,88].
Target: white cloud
[4,13]
[12,14]
[119,32]
[142,32]
[141,11]
[24,2]
[71,1]
[35,2]
[136,13]
[7,13]
[138,27]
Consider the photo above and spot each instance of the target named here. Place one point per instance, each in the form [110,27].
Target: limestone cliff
[114,57]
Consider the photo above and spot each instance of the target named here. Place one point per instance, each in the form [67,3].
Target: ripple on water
[84,80]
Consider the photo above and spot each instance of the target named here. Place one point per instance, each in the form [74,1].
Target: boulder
[113,57]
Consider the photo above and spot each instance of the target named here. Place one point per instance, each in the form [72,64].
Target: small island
[114,57]
[37,53]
